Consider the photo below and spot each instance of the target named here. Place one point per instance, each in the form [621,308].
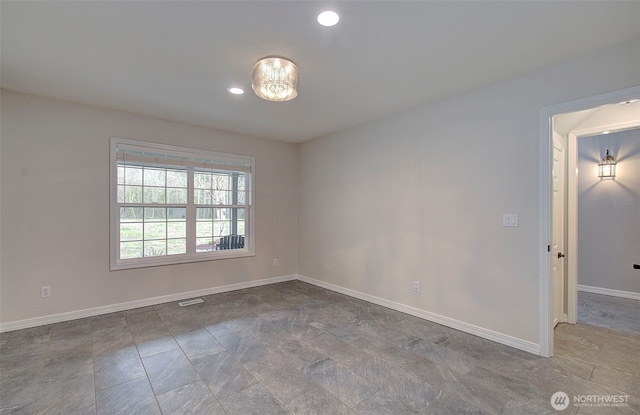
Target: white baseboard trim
[609,291]
[96,311]
[507,340]
[436,318]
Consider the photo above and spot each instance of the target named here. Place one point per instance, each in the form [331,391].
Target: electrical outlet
[416,286]
[45,292]
[275,262]
[510,220]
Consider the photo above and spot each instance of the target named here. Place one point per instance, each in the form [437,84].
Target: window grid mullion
[191,213]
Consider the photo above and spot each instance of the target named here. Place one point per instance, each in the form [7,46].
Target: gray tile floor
[621,314]
[293,348]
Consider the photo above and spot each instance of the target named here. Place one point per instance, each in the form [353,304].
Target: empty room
[310,207]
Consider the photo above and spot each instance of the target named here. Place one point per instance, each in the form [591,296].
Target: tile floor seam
[339,400]
[155,396]
[214,397]
[224,349]
[95,384]
[40,375]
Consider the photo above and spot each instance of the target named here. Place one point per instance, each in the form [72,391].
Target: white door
[557,226]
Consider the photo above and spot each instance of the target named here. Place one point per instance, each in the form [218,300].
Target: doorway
[579,118]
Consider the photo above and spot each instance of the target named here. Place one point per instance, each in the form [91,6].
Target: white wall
[609,213]
[420,196]
[55,209]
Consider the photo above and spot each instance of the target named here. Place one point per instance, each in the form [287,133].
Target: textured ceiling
[175,60]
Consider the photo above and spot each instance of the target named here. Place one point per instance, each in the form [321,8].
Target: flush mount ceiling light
[275,79]
[328,18]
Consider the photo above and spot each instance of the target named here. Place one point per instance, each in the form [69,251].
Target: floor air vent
[190,302]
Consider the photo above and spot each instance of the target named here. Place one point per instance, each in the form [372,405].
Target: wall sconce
[607,167]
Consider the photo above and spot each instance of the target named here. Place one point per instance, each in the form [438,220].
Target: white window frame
[179,156]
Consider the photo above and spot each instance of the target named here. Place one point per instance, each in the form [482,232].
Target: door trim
[545,146]
[572,207]
[559,144]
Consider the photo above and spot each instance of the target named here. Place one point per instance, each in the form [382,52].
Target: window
[171,205]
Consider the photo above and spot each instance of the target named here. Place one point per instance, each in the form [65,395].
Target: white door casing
[545,201]
[558,227]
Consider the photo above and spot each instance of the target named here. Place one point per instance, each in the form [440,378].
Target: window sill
[175,260]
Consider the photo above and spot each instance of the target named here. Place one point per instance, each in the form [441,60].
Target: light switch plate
[510,219]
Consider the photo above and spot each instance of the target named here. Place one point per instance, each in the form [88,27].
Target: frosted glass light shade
[275,79]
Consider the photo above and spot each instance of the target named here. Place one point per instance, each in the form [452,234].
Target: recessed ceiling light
[328,18]
[606,132]
[236,91]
